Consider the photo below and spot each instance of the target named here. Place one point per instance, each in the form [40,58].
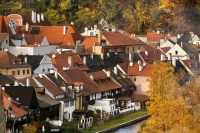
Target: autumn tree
[167,108]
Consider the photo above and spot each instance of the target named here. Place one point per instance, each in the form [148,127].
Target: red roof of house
[103,81]
[10,103]
[89,43]
[32,39]
[118,39]
[154,37]
[61,60]
[51,87]
[134,70]
[152,56]
[8,60]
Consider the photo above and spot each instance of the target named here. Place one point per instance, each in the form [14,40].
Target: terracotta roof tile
[89,43]
[193,65]
[16,110]
[8,60]
[103,81]
[134,70]
[118,39]
[3,36]
[123,98]
[154,37]
[51,87]
[152,56]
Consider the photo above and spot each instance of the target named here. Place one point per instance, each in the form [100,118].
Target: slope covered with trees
[136,16]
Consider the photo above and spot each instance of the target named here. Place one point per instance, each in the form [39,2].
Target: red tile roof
[61,60]
[51,87]
[152,56]
[154,37]
[89,43]
[103,81]
[77,76]
[10,103]
[134,70]
[118,39]
[8,60]
[33,39]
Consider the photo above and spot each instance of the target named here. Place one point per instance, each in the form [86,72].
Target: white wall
[167,44]
[181,53]
[4,44]
[70,110]
[41,50]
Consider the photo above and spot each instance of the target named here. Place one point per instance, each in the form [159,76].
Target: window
[13,72]
[127,49]
[27,71]
[48,69]
[66,104]
[176,52]
[133,49]
[24,72]
[6,41]
[18,72]
[71,103]
[138,47]
[134,79]
[43,70]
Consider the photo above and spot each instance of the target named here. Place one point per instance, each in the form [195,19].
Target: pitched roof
[89,43]
[3,28]
[33,60]
[118,39]
[27,19]
[61,60]
[76,75]
[134,70]
[165,49]
[9,61]
[5,80]
[32,39]
[103,82]
[45,100]
[49,85]
[152,56]
[24,94]
[154,37]
[3,36]
[10,103]
[54,34]
[192,66]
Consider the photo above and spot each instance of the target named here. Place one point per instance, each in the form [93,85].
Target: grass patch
[117,121]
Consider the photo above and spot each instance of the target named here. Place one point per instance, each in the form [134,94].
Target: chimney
[169,56]
[158,32]
[186,57]
[131,63]
[56,74]
[16,83]
[84,60]
[23,35]
[115,70]
[91,77]
[108,73]
[102,56]
[64,30]
[64,68]
[58,50]
[139,62]
[52,70]
[181,44]
[86,30]
[144,63]
[53,55]
[27,81]
[174,62]
[35,17]
[140,67]
[5,49]
[27,26]
[40,75]
[130,56]
[32,16]
[162,57]
[108,54]
[99,35]
[72,23]
[42,16]
[146,53]
[70,61]
[25,59]
[92,55]
[38,18]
